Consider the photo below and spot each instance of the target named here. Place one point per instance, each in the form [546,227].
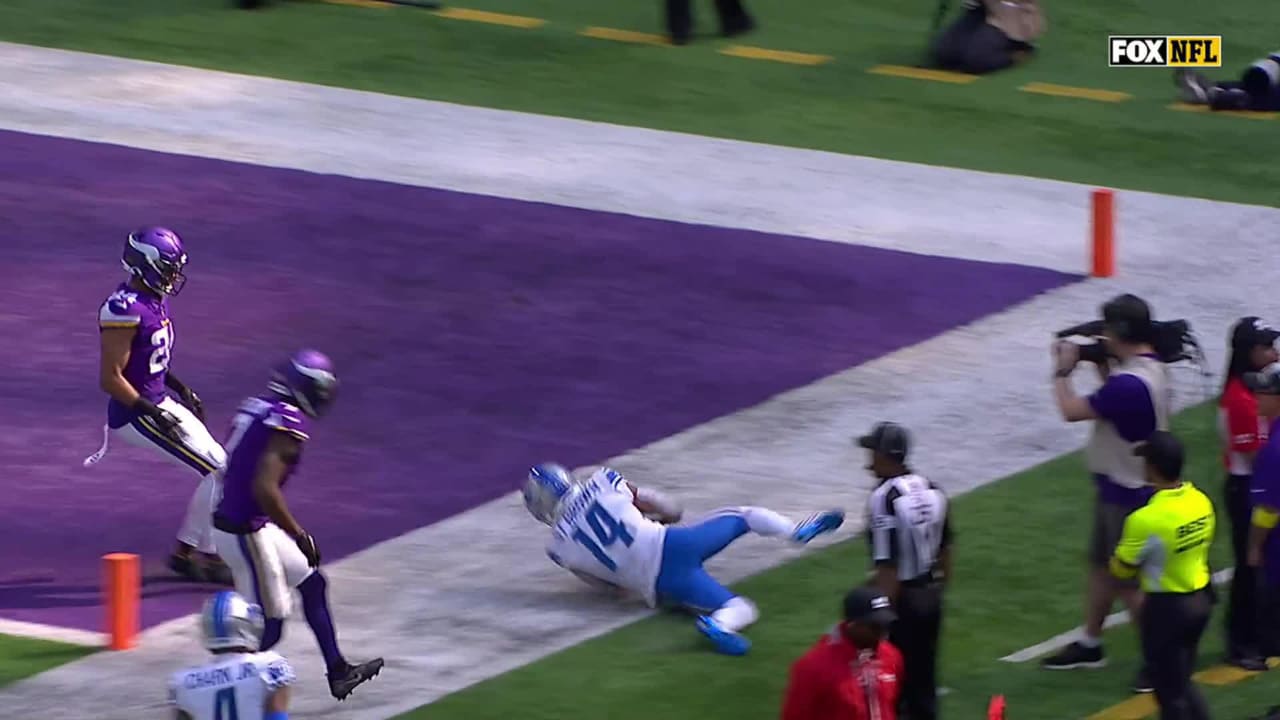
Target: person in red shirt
[1243,433]
[852,673]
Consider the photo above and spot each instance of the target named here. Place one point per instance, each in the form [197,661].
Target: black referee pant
[915,633]
[1242,601]
[1170,628]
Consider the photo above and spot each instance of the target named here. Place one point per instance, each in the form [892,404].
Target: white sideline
[38,631]
[1113,620]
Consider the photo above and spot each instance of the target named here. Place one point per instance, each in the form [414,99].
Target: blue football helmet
[308,379]
[155,256]
[229,622]
[545,487]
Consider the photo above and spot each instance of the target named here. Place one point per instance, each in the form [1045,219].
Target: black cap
[1129,316]
[1266,382]
[1250,332]
[864,604]
[889,439]
[1163,450]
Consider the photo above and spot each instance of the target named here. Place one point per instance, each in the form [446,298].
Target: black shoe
[1075,656]
[342,683]
[216,571]
[736,26]
[1141,683]
[1252,663]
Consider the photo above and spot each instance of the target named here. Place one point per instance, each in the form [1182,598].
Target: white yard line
[1115,619]
[472,596]
[39,631]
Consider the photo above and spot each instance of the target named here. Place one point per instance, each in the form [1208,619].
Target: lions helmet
[308,379]
[229,622]
[155,256]
[545,487]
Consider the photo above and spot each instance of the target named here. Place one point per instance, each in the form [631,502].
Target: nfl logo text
[1164,51]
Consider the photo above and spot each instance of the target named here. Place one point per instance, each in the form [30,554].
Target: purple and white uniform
[265,562]
[148,365]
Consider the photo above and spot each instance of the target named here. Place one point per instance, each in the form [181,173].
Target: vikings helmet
[545,487]
[155,256]
[308,379]
[229,622]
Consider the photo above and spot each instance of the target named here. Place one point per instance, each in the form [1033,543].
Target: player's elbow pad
[1264,518]
[1121,570]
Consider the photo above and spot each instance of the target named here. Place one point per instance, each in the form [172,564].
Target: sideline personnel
[1167,541]
[1132,403]
[909,524]
[1264,542]
[852,672]
[1243,434]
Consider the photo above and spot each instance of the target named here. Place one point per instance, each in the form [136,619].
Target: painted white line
[1113,620]
[52,632]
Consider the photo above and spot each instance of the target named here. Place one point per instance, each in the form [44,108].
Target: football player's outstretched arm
[115,344]
[656,504]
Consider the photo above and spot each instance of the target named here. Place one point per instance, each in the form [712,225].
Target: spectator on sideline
[991,35]
[909,533]
[1243,434]
[1258,89]
[1264,541]
[1133,402]
[734,19]
[852,671]
[1167,543]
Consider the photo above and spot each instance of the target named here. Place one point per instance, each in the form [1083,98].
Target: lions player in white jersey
[240,683]
[610,533]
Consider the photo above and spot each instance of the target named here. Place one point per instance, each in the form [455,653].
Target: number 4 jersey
[148,315]
[601,533]
[236,687]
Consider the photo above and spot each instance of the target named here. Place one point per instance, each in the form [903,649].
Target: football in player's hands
[307,545]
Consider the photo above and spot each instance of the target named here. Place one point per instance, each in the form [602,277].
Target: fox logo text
[1164,51]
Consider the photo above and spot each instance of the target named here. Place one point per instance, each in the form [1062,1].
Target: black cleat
[341,684]
[1142,683]
[1252,663]
[1075,656]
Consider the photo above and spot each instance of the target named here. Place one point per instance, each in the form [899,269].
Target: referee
[909,528]
[1167,542]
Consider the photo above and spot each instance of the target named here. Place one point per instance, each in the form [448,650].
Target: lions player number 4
[224,705]
[607,531]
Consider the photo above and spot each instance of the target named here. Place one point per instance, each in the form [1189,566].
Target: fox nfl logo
[1165,51]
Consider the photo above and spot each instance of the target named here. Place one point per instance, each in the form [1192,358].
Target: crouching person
[991,35]
[1258,89]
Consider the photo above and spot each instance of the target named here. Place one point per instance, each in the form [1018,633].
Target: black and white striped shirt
[908,525]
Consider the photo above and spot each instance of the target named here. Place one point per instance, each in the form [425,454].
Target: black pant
[1242,602]
[971,45]
[733,18]
[915,633]
[1171,626]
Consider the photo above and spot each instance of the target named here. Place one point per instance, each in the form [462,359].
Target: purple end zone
[473,335]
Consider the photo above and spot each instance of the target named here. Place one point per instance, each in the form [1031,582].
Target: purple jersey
[152,344]
[251,429]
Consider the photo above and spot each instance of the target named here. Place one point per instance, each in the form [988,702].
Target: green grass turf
[987,125]
[1019,573]
[23,657]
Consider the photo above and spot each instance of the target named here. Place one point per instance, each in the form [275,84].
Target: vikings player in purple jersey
[268,551]
[136,337]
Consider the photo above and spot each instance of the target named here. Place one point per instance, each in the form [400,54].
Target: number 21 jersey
[601,533]
[148,364]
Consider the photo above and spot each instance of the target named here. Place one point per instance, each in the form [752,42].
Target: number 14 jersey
[600,532]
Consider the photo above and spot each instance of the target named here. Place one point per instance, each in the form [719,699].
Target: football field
[713,292]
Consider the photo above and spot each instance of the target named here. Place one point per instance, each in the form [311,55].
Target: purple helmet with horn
[308,379]
[155,256]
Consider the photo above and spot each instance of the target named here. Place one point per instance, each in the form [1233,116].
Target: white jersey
[601,533]
[234,687]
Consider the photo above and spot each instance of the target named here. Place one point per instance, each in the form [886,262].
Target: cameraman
[1133,402]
